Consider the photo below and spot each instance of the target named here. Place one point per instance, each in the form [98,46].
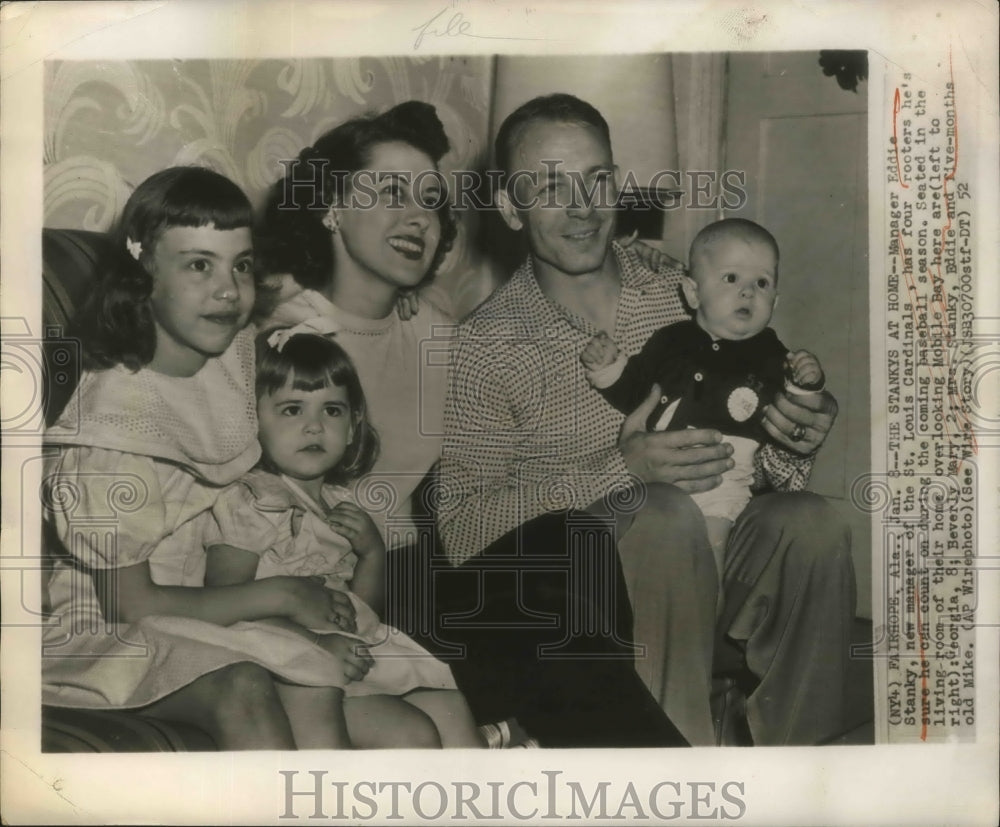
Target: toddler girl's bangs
[312,362]
[316,377]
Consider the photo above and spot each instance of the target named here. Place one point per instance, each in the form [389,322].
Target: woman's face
[386,228]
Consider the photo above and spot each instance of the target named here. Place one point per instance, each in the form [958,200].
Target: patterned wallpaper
[108,125]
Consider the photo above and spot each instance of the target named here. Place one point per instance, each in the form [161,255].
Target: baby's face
[733,288]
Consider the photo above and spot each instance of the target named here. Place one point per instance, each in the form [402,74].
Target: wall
[803,142]
[109,125]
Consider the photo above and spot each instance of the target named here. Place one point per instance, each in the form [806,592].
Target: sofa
[69,262]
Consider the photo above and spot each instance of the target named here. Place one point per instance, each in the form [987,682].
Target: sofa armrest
[98,730]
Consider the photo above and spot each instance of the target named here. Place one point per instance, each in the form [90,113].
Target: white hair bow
[318,326]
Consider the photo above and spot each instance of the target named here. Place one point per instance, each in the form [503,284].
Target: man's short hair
[559,108]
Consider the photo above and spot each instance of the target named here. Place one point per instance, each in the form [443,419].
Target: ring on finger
[798,434]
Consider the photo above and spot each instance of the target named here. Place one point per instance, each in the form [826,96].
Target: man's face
[563,195]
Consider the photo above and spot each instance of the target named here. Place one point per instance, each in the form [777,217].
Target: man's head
[733,281]
[555,152]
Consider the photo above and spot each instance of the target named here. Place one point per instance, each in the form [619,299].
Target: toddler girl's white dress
[270,516]
[142,457]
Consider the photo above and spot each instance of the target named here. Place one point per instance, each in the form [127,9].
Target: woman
[380,226]
[349,261]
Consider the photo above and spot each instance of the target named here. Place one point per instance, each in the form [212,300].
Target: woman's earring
[330,221]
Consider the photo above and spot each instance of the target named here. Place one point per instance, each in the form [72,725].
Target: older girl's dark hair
[116,326]
[313,362]
[292,236]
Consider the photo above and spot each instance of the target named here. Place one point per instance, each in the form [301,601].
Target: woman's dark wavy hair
[314,362]
[116,324]
[292,236]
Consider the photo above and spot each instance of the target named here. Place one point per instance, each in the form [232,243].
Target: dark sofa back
[69,268]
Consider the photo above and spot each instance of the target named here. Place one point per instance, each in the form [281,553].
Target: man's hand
[693,460]
[809,418]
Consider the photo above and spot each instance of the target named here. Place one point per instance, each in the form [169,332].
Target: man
[525,435]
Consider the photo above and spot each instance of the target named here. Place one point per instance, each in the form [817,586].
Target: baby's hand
[353,654]
[359,529]
[600,352]
[805,371]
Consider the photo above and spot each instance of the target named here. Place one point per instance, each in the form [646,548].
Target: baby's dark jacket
[684,361]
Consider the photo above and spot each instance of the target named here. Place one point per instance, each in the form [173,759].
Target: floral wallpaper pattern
[110,124]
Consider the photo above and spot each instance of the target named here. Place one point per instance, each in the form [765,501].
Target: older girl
[163,417]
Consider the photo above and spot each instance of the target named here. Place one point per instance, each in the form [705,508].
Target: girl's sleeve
[107,507]
[238,522]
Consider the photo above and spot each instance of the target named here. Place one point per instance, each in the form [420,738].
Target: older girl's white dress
[271,517]
[135,464]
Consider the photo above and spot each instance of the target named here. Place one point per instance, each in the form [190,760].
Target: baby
[719,369]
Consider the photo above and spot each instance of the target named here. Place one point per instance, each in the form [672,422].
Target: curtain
[700,114]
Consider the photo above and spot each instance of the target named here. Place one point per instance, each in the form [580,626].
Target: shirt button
[715,345]
[664,400]
[698,377]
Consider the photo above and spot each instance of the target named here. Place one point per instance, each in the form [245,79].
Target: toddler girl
[162,419]
[294,515]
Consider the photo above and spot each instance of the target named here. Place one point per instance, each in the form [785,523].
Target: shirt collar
[704,339]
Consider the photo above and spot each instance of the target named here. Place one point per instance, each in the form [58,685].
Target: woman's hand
[359,529]
[353,654]
[407,304]
[649,257]
[313,605]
